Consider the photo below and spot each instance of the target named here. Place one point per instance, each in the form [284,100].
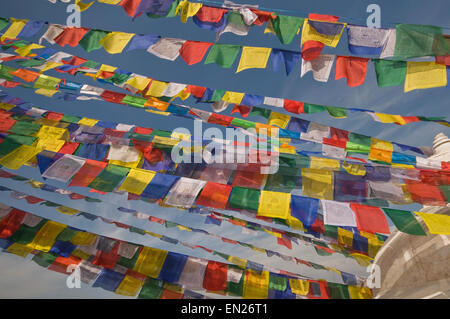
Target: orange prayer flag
[71,36]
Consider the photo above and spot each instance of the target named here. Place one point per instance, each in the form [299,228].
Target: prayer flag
[274,204]
[352,68]
[223,54]
[253,57]
[370,219]
[115,42]
[424,75]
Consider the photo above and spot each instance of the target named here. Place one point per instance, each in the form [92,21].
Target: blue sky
[27,280]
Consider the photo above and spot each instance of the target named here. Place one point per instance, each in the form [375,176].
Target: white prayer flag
[193,273]
[321,67]
[64,168]
[337,214]
[167,48]
[184,192]
[123,153]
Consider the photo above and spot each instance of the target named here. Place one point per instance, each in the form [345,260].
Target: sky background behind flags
[20,279]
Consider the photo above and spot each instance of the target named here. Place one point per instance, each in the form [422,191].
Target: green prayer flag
[261,112]
[414,40]
[7,146]
[322,252]
[70,118]
[3,23]
[90,41]
[140,137]
[109,178]
[286,27]
[25,234]
[44,259]
[118,78]
[19,178]
[233,288]
[217,95]
[50,204]
[405,221]
[129,263]
[337,112]
[281,183]
[152,289]
[4,72]
[134,101]
[92,200]
[67,234]
[277,282]
[90,64]
[244,198]
[358,143]
[136,230]
[331,231]
[389,72]
[20,139]
[223,54]
[31,63]
[294,161]
[309,108]
[445,189]
[242,123]
[25,128]
[338,291]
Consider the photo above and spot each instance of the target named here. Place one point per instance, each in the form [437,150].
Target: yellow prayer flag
[67,210]
[324,163]
[14,29]
[310,34]
[134,164]
[345,237]
[46,236]
[80,254]
[6,106]
[158,112]
[19,156]
[253,58]
[109,1]
[181,136]
[269,28]
[156,88]
[19,250]
[138,82]
[83,239]
[437,224]
[104,68]
[361,259]
[256,286]
[46,92]
[380,155]
[129,286]
[390,118]
[278,119]
[374,245]
[50,65]
[50,132]
[424,75]
[35,184]
[359,292]
[274,204]
[237,261]
[295,223]
[165,140]
[299,287]
[188,9]
[115,42]
[183,95]
[87,121]
[50,145]
[381,145]
[83,6]
[25,50]
[136,181]
[233,97]
[354,169]
[275,234]
[317,183]
[181,227]
[150,261]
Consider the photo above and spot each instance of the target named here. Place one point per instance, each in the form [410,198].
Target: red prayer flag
[170,294]
[68,148]
[425,194]
[76,196]
[113,132]
[54,116]
[242,109]
[196,91]
[107,260]
[10,84]
[193,52]
[263,16]
[71,36]
[248,179]
[215,278]
[293,106]
[143,130]
[352,68]
[443,59]
[214,195]
[87,173]
[76,61]
[283,241]
[33,200]
[338,138]
[60,264]
[130,6]
[11,223]
[6,124]
[370,219]
[323,290]
[220,119]
[26,75]
[113,97]
[210,14]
